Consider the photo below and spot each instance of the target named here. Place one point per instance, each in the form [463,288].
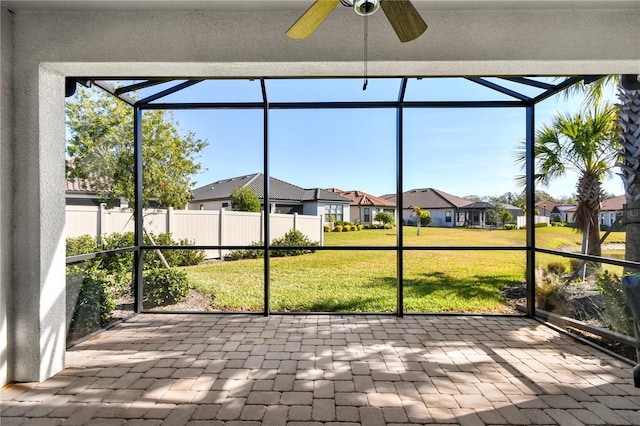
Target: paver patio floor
[178,369]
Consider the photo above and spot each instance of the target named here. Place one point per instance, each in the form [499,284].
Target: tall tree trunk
[589,194]
[629,136]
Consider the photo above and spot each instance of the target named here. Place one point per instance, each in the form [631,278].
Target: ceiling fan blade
[404,18]
[311,19]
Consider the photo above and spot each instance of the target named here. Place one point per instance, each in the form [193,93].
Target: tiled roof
[429,198]
[614,204]
[479,205]
[77,185]
[359,198]
[279,190]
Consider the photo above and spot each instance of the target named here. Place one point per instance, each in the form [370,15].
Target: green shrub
[425,218]
[557,268]
[164,286]
[557,224]
[256,253]
[81,245]
[95,302]
[292,238]
[115,262]
[542,225]
[189,257]
[615,303]
[510,226]
[327,228]
[346,227]
[360,227]
[337,228]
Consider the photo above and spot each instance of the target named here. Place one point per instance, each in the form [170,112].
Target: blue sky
[460,151]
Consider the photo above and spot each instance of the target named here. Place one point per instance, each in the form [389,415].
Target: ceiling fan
[404,18]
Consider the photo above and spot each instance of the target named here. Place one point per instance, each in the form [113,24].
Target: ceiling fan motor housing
[366,7]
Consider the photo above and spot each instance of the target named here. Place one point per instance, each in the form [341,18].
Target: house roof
[614,204]
[78,186]
[360,198]
[479,205]
[279,190]
[429,198]
[484,205]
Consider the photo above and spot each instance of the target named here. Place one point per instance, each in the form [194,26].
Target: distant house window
[448,216]
[367,215]
[225,205]
[334,210]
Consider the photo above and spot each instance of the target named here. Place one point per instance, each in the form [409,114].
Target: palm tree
[628,134]
[584,144]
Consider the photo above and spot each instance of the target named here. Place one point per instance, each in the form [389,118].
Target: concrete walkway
[329,370]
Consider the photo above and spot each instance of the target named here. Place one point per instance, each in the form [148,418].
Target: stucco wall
[6,184]
[50,44]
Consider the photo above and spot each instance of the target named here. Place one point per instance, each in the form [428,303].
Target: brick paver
[328,370]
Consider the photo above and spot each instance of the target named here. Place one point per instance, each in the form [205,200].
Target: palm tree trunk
[589,194]
[629,136]
[632,228]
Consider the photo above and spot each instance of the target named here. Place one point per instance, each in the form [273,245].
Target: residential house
[78,192]
[611,209]
[554,210]
[284,197]
[364,207]
[476,212]
[444,208]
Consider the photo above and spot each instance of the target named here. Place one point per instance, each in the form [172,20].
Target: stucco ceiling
[247,38]
[291,5]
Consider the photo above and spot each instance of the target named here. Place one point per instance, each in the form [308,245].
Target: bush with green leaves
[615,304]
[425,218]
[252,253]
[510,226]
[337,228]
[327,228]
[245,199]
[164,287]
[383,217]
[293,238]
[95,302]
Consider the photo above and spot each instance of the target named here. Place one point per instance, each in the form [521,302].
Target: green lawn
[365,281]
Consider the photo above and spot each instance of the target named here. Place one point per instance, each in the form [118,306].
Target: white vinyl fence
[522,220]
[201,227]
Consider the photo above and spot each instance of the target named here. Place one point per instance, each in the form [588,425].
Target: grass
[365,281]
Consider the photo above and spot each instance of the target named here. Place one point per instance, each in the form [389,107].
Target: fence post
[220,230]
[102,221]
[262,225]
[295,221]
[169,220]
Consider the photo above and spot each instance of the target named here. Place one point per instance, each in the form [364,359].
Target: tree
[583,143]
[506,216]
[245,199]
[425,218]
[100,151]
[384,217]
[628,136]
